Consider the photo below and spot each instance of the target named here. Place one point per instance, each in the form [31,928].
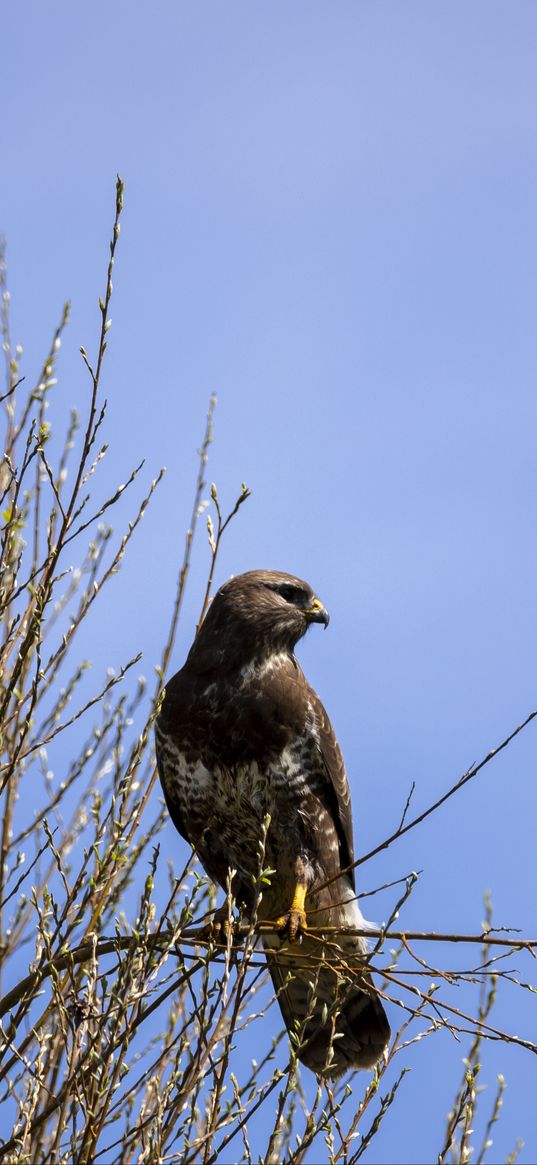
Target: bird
[244,744]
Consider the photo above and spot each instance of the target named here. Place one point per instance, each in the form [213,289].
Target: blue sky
[330,222]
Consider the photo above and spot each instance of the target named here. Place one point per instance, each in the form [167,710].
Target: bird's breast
[208,791]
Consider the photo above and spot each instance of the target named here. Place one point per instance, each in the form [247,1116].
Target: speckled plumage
[242,734]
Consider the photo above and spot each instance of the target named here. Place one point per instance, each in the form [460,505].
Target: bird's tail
[331,1010]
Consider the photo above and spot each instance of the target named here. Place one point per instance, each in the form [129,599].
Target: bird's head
[262,612]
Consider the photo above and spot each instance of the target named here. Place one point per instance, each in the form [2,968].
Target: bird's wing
[336,785]
[298,707]
[165,765]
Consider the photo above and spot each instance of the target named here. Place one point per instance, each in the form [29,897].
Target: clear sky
[331,223]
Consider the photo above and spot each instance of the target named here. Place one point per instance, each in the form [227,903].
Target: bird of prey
[242,735]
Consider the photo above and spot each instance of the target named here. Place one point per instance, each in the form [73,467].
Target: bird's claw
[292,924]
[220,928]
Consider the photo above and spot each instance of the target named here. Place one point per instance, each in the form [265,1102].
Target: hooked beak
[317,613]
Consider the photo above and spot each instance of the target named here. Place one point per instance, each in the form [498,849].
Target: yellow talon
[294,922]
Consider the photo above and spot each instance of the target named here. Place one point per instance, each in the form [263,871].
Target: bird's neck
[241,654]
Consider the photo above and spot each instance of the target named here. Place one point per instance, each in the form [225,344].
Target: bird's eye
[290,593]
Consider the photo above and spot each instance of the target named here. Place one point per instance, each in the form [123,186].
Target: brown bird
[242,735]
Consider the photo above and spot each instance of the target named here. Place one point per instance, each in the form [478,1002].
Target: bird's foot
[292,925]
[220,928]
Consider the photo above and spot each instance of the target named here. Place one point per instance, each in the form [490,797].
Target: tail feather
[331,1010]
